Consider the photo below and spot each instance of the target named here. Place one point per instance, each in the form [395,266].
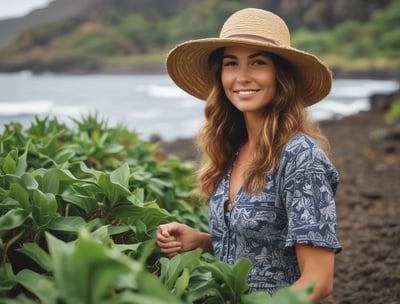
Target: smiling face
[248,77]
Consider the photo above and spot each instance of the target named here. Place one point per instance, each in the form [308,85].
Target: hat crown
[256,24]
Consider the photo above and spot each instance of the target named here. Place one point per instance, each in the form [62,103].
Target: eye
[259,62]
[227,63]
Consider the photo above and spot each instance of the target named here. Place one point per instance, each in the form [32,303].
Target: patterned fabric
[296,206]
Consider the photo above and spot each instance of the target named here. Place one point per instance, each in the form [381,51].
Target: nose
[243,74]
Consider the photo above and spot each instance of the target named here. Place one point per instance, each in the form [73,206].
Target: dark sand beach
[366,151]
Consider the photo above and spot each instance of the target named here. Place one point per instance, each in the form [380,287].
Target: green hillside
[123,33]
[375,43]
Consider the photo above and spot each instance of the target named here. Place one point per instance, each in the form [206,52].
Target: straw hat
[187,63]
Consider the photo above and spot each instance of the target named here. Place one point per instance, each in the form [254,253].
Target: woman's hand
[173,238]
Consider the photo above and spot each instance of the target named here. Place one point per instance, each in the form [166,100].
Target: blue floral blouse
[296,206]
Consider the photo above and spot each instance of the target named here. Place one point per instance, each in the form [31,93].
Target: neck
[253,127]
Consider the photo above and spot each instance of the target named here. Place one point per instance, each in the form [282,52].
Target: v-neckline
[228,183]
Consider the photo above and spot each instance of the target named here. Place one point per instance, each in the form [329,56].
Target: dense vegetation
[355,34]
[79,209]
[374,43]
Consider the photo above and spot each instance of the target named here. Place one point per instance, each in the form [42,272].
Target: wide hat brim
[187,65]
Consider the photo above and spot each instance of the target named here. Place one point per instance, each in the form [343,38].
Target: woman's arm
[316,265]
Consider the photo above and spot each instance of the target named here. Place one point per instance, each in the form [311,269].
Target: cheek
[226,80]
[270,82]
[269,79]
[228,76]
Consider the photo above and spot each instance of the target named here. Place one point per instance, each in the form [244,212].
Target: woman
[265,171]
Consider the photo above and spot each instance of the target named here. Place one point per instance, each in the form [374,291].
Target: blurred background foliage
[343,33]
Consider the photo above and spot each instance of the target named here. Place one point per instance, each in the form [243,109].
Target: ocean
[147,104]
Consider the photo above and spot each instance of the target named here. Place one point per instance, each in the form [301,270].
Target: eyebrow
[250,56]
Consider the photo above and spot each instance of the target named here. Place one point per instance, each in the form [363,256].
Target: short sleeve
[309,186]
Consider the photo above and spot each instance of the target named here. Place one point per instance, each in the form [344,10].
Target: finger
[170,251]
[164,239]
[167,245]
[163,231]
[168,230]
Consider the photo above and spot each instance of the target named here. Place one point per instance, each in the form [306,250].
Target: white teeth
[247,92]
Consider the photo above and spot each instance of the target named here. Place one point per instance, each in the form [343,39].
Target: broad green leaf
[171,269]
[20,299]
[114,230]
[3,195]
[201,285]
[12,219]
[81,197]
[37,254]
[114,148]
[6,277]
[258,297]
[66,277]
[151,215]
[141,175]
[240,271]
[44,208]
[18,193]
[141,230]
[50,183]
[127,247]
[51,146]
[182,282]
[139,196]
[92,268]
[64,155]
[113,191]
[89,171]
[120,176]
[219,270]
[161,183]
[98,233]
[56,180]
[22,163]
[180,205]
[223,273]
[155,188]
[150,286]
[40,285]
[66,224]
[10,165]
[139,298]
[28,181]
[146,249]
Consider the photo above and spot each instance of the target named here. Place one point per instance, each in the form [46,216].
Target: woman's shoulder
[301,141]
[303,154]
[304,148]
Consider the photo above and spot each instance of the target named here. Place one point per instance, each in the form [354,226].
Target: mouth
[245,92]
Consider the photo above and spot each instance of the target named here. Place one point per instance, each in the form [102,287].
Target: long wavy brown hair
[224,129]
